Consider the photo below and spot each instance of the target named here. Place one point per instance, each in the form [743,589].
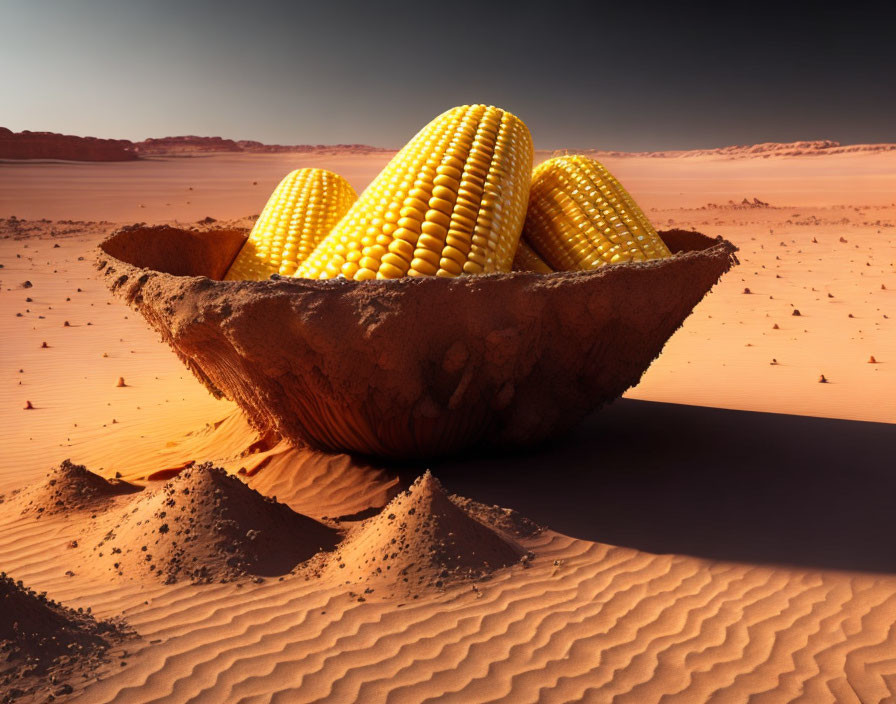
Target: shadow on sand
[719,484]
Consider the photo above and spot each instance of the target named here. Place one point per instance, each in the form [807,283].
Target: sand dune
[720,535]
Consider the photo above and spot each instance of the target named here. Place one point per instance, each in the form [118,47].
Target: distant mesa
[52,146]
[822,147]
[424,539]
[70,487]
[192,144]
[49,145]
[206,525]
[745,204]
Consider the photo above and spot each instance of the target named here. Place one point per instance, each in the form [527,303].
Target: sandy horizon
[720,534]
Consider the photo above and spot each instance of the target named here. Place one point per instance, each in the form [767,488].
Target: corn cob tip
[301,211]
[580,217]
[451,202]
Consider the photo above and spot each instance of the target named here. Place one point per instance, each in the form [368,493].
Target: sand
[721,534]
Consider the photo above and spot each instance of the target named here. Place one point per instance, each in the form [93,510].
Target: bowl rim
[711,246]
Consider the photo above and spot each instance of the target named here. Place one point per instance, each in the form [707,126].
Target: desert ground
[723,533]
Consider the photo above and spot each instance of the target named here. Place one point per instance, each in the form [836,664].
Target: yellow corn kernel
[527,259]
[299,214]
[464,175]
[580,217]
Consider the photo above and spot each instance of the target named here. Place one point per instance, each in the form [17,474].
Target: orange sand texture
[735,546]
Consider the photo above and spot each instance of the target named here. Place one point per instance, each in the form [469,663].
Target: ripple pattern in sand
[602,624]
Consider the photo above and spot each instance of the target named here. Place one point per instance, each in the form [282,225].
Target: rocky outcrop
[49,145]
[414,366]
[766,150]
[188,143]
[191,144]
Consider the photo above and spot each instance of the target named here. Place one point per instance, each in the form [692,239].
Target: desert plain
[722,533]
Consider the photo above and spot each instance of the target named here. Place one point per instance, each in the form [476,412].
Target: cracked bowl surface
[413,367]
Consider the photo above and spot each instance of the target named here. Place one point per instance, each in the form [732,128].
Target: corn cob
[451,202]
[527,259]
[299,214]
[580,217]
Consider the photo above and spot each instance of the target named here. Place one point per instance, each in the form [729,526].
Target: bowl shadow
[713,483]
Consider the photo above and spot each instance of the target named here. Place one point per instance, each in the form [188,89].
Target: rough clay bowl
[410,367]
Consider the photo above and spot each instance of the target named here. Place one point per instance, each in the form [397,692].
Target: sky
[620,75]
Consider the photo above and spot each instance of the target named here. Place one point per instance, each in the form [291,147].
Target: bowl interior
[210,253]
[177,252]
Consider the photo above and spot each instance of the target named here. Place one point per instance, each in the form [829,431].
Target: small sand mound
[71,487]
[421,539]
[205,525]
[39,637]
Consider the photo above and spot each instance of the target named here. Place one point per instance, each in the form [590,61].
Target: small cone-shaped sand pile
[421,539]
[71,487]
[206,524]
[37,636]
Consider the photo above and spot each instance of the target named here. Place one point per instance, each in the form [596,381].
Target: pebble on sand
[796,311]
[120,383]
[872,360]
[28,406]
[822,379]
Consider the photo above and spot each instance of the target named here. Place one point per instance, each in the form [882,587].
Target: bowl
[413,367]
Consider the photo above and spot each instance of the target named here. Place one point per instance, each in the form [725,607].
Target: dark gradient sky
[581,74]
